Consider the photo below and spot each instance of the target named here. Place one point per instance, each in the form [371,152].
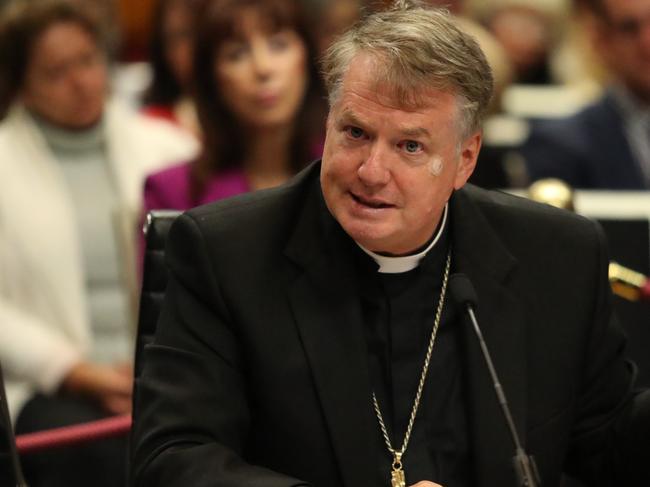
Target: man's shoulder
[259,214]
[536,235]
[517,214]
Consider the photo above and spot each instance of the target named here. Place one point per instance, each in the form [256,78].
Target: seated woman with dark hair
[171,52]
[72,164]
[259,99]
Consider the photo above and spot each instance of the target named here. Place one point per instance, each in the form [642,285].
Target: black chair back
[154,279]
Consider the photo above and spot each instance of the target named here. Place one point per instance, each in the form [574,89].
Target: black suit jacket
[587,150]
[258,373]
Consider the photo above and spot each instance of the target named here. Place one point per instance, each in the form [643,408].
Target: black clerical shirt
[399,312]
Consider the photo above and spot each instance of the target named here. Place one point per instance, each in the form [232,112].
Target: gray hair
[416,47]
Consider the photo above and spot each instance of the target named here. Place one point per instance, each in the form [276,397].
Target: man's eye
[411,146]
[354,132]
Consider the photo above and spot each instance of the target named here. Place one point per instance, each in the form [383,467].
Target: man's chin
[369,238]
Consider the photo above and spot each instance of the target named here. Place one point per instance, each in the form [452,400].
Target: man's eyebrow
[414,132]
[350,118]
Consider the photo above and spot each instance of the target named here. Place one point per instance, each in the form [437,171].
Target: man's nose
[375,170]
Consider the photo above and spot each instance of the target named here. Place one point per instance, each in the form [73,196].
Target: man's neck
[404,263]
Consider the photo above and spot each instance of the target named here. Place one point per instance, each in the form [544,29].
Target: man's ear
[467,158]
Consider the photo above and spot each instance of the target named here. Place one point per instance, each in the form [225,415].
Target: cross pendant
[397,477]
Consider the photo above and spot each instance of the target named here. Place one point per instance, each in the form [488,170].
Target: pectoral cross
[397,477]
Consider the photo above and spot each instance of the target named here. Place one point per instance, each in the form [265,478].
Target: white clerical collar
[395,265]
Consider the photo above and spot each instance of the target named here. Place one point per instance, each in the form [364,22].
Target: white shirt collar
[396,265]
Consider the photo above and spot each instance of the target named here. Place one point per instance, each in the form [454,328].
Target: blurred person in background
[105,15]
[606,145]
[575,61]
[71,165]
[525,33]
[171,52]
[330,18]
[260,104]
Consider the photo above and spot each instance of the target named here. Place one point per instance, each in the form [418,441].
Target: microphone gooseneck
[463,293]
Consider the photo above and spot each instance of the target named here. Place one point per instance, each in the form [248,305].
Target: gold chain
[398,473]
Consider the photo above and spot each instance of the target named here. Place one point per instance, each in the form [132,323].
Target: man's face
[623,37]
[66,79]
[387,170]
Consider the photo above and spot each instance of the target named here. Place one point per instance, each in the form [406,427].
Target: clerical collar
[396,265]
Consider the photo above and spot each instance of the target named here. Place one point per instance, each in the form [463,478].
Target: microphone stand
[524,465]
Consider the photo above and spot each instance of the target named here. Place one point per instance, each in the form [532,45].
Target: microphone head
[462,290]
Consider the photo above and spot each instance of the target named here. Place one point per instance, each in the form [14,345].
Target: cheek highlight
[435,167]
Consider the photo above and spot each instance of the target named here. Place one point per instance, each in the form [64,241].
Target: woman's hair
[21,23]
[223,136]
[164,88]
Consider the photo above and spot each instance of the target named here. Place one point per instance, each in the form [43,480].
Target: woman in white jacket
[71,171]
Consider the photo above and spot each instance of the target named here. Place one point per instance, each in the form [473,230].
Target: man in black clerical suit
[307,337]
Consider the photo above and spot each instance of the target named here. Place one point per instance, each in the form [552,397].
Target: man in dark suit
[307,337]
[606,145]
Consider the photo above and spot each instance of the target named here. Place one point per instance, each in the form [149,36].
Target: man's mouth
[371,202]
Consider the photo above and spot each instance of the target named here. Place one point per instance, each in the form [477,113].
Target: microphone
[462,291]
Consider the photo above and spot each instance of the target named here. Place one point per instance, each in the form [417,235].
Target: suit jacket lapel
[327,311]
[480,255]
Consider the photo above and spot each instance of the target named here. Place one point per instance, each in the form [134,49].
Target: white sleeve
[32,351]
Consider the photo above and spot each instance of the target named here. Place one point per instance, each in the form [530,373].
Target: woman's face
[66,78]
[262,75]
